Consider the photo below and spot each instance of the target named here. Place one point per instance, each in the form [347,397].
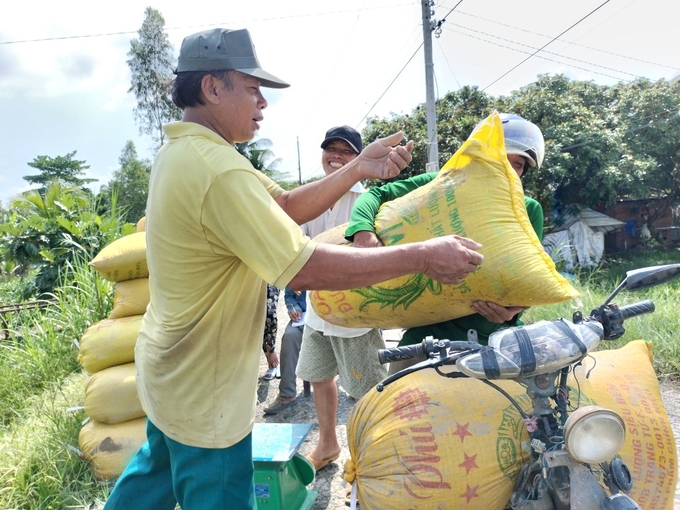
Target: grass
[42,380]
[661,328]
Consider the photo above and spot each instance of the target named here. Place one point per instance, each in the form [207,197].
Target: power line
[569,42]
[356,126]
[539,56]
[449,65]
[439,23]
[390,85]
[546,44]
[225,23]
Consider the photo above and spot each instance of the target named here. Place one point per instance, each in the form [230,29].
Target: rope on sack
[350,476]
[350,473]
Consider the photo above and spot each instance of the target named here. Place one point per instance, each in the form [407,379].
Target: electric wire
[439,23]
[358,124]
[569,42]
[449,65]
[404,67]
[391,83]
[223,23]
[539,56]
[546,44]
[548,52]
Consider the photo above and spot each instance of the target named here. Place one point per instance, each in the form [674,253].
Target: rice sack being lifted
[477,194]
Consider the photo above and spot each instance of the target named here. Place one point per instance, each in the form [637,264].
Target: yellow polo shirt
[214,236]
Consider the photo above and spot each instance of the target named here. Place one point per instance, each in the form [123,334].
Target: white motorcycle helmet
[523,138]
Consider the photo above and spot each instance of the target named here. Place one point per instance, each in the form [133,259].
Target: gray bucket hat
[221,49]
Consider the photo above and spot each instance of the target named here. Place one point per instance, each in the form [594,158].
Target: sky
[64,79]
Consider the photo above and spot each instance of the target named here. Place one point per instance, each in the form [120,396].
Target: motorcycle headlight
[594,434]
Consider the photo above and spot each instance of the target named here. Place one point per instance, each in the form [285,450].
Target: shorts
[355,360]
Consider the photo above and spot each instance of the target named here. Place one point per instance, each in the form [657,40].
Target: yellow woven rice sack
[111,395]
[110,448]
[123,259]
[141,224]
[624,380]
[478,195]
[109,343]
[427,442]
[131,297]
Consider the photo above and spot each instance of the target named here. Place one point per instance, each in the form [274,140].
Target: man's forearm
[307,202]
[338,267]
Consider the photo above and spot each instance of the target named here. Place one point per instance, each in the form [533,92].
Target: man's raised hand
[384,158]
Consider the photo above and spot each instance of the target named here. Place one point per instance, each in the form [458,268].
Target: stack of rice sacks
[117,425]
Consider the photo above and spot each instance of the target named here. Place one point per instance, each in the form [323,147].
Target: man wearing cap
[329,350]
[217,230]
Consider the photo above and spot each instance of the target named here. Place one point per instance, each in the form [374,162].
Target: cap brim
[266,79]
[325,143]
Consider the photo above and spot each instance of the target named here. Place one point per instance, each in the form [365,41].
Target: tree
[602,143]
[260,155]
[44,230]
[151,59]
[63,168]
[583,145]
[649,121]
[130,184]
[457,113]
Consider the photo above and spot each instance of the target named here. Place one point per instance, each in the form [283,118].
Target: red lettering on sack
[637,458]
[411,404]
[340,299]
[422,474]
[322,308]
[416,481]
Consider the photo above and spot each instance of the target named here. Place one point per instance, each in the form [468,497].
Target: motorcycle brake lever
[435,362]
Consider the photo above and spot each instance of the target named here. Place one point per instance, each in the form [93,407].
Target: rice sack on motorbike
[428,442]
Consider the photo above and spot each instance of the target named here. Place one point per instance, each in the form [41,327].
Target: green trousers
[164,473]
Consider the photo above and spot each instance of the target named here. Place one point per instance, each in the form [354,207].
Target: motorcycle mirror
[637,279]
[642,278]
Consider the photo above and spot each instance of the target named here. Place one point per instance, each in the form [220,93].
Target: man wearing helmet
[525,149]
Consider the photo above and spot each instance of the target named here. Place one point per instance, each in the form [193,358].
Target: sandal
[320,464]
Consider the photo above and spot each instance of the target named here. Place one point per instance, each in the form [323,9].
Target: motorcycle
[573,462]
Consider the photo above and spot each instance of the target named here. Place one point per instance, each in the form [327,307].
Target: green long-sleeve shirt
[363,218]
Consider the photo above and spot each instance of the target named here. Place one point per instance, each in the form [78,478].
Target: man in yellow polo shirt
[217,231]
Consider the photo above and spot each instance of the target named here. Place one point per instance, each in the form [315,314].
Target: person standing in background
[329,350]
[290,351]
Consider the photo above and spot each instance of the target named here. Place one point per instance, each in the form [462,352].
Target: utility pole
[299,169]
[428,27]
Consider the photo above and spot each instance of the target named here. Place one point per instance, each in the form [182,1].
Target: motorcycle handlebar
[640,308]
[392,354]
[423,350]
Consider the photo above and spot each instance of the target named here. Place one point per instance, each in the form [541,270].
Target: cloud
[9,64]
[77,66]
